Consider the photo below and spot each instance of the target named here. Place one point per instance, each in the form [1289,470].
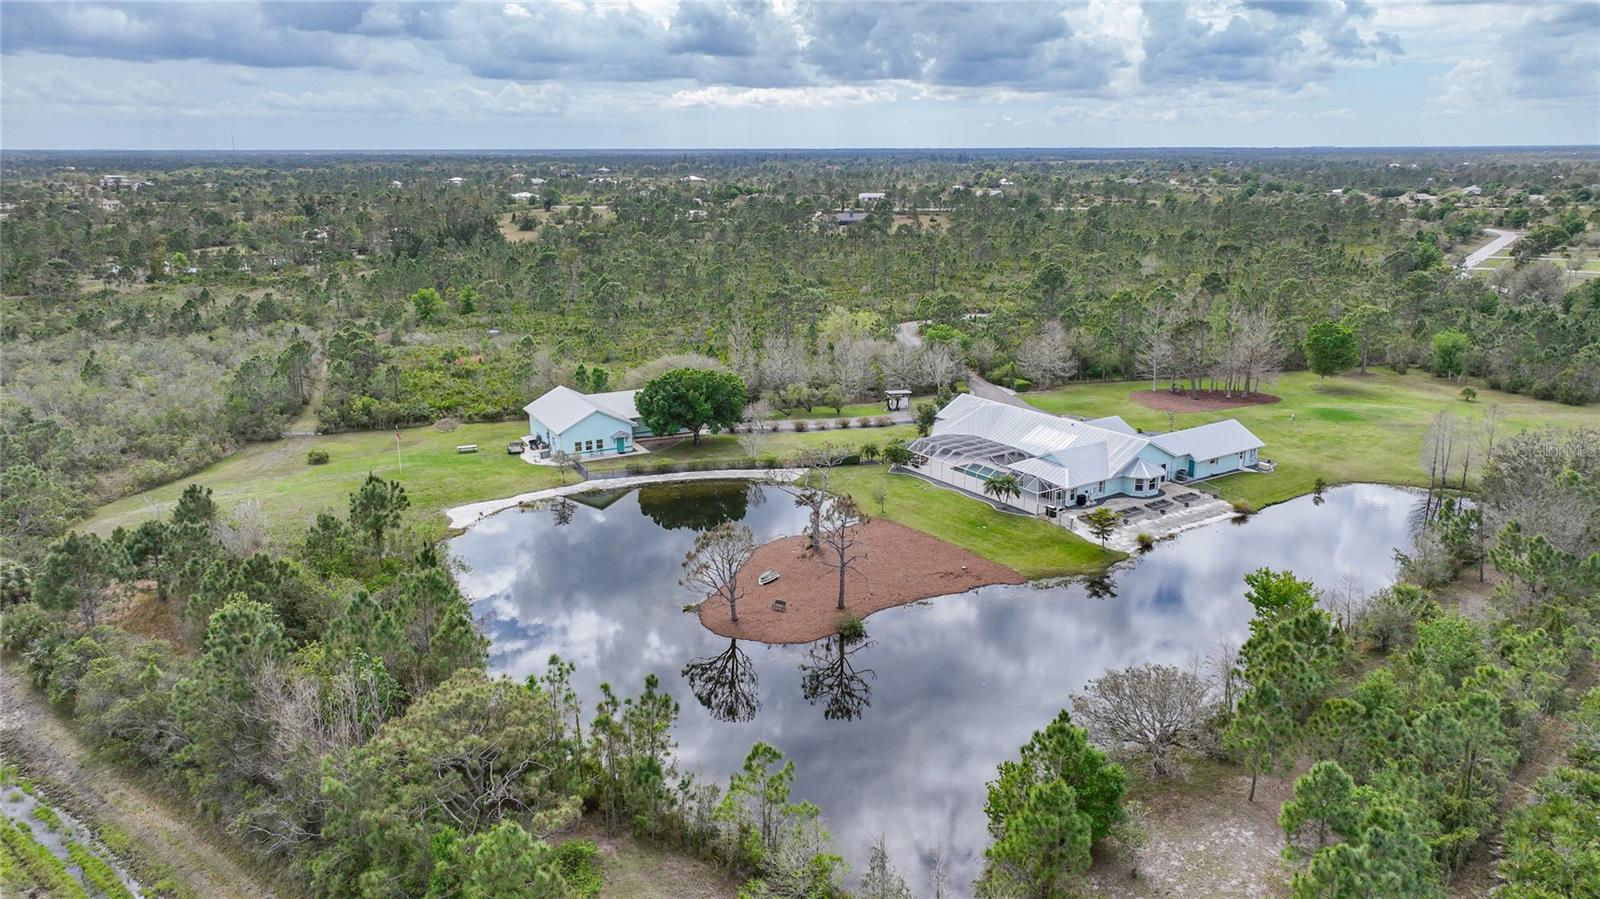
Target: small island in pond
[897,566]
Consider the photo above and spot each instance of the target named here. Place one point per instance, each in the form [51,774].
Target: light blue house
[585,425]
[1060,462]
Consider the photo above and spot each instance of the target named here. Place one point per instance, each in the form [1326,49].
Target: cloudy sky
[794,73]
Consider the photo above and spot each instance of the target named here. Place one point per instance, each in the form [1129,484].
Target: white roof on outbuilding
[562,407]
[1209,441]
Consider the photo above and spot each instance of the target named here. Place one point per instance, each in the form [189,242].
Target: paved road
[1501,240]
[906,333]
[981,388]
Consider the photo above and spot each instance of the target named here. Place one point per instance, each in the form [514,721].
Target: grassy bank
[1029,546]
[1355,429]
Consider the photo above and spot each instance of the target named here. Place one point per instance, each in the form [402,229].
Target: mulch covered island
[1202,401]
[899,566]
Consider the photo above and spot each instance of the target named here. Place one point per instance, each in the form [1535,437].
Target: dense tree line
[156,327]
[333,711]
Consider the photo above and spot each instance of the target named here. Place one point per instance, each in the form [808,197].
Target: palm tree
[1003,487]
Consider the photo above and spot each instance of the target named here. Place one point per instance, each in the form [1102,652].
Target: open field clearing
[1354,429]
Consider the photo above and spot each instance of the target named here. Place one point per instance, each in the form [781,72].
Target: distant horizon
[814,149]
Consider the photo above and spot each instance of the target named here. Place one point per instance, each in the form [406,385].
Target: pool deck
[1202,510]
[465,516]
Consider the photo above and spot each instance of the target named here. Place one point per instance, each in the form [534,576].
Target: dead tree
[842,523]
[713,565]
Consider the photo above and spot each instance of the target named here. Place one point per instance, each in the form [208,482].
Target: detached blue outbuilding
[585,424]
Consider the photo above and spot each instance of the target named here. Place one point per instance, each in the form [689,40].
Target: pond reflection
[725,684]
[830,675]
[896,735]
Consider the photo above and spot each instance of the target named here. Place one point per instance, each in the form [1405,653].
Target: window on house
[577,446]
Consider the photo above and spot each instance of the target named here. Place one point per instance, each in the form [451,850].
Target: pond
[898,735]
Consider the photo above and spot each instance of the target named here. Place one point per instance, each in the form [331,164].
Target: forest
[164,309]
[325,699]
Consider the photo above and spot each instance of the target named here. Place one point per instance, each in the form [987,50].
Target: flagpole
[401,462]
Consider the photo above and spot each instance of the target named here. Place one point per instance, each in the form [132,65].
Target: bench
[467,448]
[767,577]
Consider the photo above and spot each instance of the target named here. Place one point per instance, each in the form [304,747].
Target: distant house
[535,182]
[870,197]
[844,219]
[695,215]
[689,179]
[1472,190]
[1061,462]
[457,181]
[1006,182]
[585,424]
[990,192]
[516,176]
[522,196]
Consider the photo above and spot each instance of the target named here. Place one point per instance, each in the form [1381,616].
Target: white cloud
[783,97]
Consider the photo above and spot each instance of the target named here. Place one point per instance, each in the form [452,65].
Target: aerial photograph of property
[799,449]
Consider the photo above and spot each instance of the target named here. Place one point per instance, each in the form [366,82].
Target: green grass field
[291,493]
[1355,429]
[1032,547]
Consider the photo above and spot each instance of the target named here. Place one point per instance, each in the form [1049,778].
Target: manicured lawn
[781,445]
[291,492]
[1030,546]
[1355,429]
[849,410]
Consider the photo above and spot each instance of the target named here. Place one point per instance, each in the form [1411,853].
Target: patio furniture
[467,448]
[779,605]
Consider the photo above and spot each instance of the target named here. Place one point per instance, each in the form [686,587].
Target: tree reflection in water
[725,684]
[562,509]
[1100,587]
[696,505]
[829,673]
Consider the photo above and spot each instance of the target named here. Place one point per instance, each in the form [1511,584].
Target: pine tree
[1043,846]
[1323,805]
[375,508]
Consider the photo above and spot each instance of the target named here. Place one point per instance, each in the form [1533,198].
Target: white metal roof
[1112,423]
[563,407]
[1142,469]
[1067,452]
[1209,441]
[1038,433]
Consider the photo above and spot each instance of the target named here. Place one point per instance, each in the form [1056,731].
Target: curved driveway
[1502,239]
